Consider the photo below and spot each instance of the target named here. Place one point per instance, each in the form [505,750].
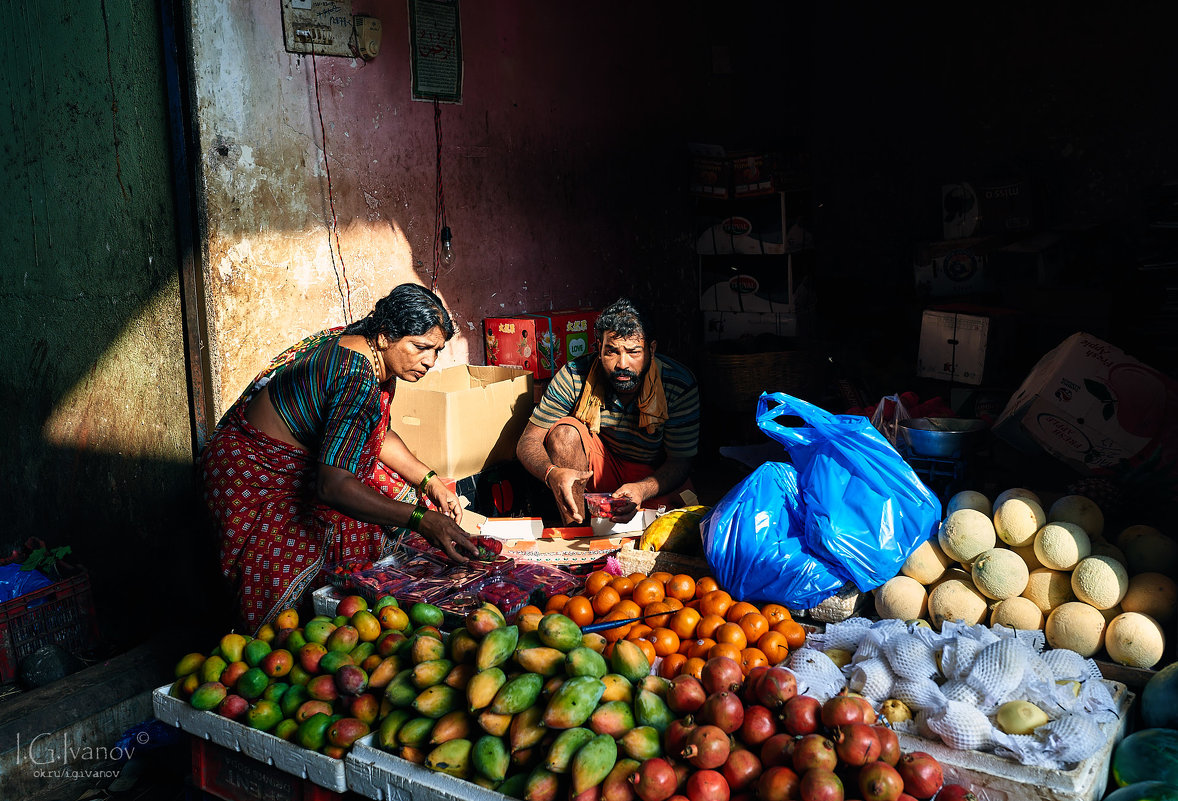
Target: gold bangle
[548,472]
[415,518]
[424,481]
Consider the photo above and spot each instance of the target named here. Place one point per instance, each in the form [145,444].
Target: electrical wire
[341,274]
[439,197]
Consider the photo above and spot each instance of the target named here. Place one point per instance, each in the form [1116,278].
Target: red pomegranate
[707,747]
[801,715]
[777,750]
[758,726]
[707,785]
[814,751]
[751,681]
[879,781]
[654,780]
[720,674]
[955,792]
[842,710]
[685,695]
[741,770]
[820,784]
[921,773]
[778,784]
[682,772]
[777,685]
[723,710]
[856,744]
[675,737]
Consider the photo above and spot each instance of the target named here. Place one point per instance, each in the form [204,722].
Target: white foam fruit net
[955,680]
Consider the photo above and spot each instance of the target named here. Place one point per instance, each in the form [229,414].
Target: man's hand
[445,535]
[633,496]
[568,487]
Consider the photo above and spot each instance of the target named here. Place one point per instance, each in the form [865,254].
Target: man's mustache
[624,375]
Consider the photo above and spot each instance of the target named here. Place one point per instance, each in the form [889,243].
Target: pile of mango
[320,685]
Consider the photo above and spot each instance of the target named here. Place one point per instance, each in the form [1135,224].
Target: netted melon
[1076,626]
[1061,546]
[969,499]
[1100,581]
[1131,533]
[1135,639]
[1017,613]
[1153,594]
[1017,492]
[956,600]
[999,573]
[1016,520]
[1079,510]
[901,598]
[1027,552]
[927,563]
[1152,551]
[1048,588]
[965,534]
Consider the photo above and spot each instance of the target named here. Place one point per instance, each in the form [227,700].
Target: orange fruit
[701,647]
[739,610]
[657,606]
[774,646]
[666,641]
[661,576]
[647,648]
[775,613]
[681,586]
[596,580]
[556,603]
[684,623]
[648,591]
[705,585]
[751,658]
[579,610]
[685,646]
[674,603]
[637,577]
[725,649]
[754,624]
[638,631]
[605,599]
[529,608]
[617,632]
[715,602]
[672,665]
[795,635]
[732,634]
[629,607]
[694,666]
[708,625]
[623,585]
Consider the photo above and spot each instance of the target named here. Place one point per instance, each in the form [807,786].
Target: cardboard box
[747,284]
[727,326]
[541,343]
[750,176]
[986,208]
[958,342]
[955,267]
[710,177]
[462,419]
[1097,409]
[752,226]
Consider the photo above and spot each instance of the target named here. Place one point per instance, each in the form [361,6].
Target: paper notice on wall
[435,50]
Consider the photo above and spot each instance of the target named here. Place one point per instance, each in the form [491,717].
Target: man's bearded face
[625,361]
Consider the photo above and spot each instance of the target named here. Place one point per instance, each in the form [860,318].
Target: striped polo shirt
[678,437]
[330,400]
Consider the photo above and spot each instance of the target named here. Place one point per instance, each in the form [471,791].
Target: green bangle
[424,481]
[415,518]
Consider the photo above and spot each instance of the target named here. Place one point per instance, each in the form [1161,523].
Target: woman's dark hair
[624,319]
[409,310]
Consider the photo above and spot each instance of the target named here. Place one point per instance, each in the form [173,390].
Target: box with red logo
[747,284]
[540,342]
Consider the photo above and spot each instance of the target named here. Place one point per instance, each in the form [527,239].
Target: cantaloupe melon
[1135,639]
[1111,612]
[1017,613]
[951,574]
[1079,510]
[969,499]
[901,598]
[1027,552]
[1048,588]
[1061,546]
[956,600]
[999,573]
[1076,626]
[1100,581]
[1131,533]
[1106,548]
[927,563]
[1152,551]
[1016,492]
[965,534]
[1152,594]
[1016,520]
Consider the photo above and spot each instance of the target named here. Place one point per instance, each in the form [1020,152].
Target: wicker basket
[736,380]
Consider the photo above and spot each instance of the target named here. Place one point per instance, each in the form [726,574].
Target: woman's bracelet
[415,518]
[424,482]
[551,467]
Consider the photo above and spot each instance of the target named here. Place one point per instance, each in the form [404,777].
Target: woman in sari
[303,471]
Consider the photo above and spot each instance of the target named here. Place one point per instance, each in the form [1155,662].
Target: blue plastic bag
[15,582]
[754,541]
[864,509]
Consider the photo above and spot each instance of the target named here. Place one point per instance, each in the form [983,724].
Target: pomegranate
[856,744]
[777,750]
[955,792]
[841,710]
[723,710]
[682,772]
[654,780]
[677,797]
[905,797]
[685,695]
[814,751]
[758,726]
[707,747]
[751,681]
[778,784]
[921,773]
[720,674]
[879,781]
[889,745]
[675,737]
[869,713]
[820,784]
[776,686]
[741,770]
[707,785]
[801,715]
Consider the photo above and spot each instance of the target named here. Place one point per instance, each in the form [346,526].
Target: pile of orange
[693,620]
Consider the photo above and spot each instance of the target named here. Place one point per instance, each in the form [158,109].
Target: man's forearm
[532,454]
[669,476]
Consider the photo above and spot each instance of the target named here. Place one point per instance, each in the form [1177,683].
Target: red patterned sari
[276,536]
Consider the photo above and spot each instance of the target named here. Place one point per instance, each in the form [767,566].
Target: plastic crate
[233,776]
[61,614]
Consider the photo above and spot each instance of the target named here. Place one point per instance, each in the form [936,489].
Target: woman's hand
[568,487]
[445,535]
[446,501]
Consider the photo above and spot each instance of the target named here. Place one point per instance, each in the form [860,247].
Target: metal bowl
[944,437]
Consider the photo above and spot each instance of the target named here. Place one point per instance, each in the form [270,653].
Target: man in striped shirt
[623,421]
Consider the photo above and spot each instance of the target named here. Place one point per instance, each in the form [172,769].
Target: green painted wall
[97,446]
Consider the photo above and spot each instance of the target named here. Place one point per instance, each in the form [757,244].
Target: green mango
[557,631]
[527,729]
[593,762]
[614,718]
[582,661]
[497,647]
[452,757]
[401,690]
[517,694]
[542,660]
[436,701]
[573,703]
[641,743]
[312,733]
[386,733]
[415,733]
[650,710]
[482,687]
[566,744]
[490,757]
[263,714]
[542,785]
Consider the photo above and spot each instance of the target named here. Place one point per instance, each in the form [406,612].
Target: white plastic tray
[377,774]
[288,757]
[994,778]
